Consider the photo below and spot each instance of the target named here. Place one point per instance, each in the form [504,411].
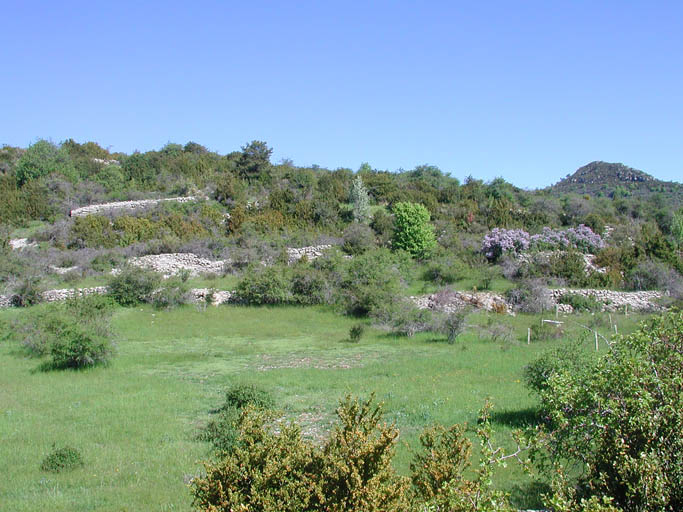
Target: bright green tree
[413,232]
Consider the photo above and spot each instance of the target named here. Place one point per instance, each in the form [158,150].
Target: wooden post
[610,320]
[615,329]
[557,310]
[596,340]
[528,335]
[625,309]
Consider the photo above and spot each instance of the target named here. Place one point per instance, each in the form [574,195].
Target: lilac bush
[501,241]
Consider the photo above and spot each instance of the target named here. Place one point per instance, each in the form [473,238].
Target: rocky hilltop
[607,179]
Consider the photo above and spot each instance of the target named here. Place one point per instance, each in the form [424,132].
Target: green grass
[136,421]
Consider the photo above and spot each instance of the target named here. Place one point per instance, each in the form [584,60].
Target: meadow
[137,421]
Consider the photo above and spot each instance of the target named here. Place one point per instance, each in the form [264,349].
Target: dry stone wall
[95,209]
[612,300]
[452,301]
[311,252]
[173,263]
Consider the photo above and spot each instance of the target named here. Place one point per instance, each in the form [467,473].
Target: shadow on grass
[520,418]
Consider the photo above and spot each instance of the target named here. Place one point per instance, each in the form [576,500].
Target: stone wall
[98,209]
[173,263]
[452,301]
[612,300]
[311,252]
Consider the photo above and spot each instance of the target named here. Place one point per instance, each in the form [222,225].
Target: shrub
[172,293]
[356,333]
[413,232]
[446,269]
[28,293]
[570,358]
[79,346]
[264,286]
[452,325]
[546,331]
[62,459]
[621,419]
[133,285]
[530,296]
[358,238]
[106,261]
[310,285]
[383,226]
[580,302]
[655,275]
[370,281]
[243,395]
[360,201]
[403,317]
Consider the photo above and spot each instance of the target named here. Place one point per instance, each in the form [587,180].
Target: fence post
[596,340]
[528,335]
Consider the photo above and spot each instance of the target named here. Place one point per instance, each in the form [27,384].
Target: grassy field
[136,421]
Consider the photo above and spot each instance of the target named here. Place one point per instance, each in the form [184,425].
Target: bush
[546,331]
[133,285]
[404,318]
[173,293]
[79,346]
[356,333]
[655,275]
[358,238]
[621,419]
[28,293]
[243,395]
[264,286]
[530,296]
[413,232]
[570,358]
[310,285]
[452,325]
[62,459]
[446,269]
[371,281]
[580,302]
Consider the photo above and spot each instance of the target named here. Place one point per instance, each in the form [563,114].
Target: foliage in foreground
[270,470]
[620,419]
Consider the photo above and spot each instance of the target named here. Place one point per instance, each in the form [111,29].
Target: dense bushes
[62,459]
[269,470]
[620,419]
[75,334]
[133,285]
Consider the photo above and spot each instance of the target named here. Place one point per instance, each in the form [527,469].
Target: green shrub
[260,285]
[403,318]
[580,302]
[242,395]
[28,293]
[371,281]
[620,420]
[133,285]
[172,293]
[356,333]
[452,325]
[413,232]
[570,358]
[78,346]
[358,238]
[107,261]
[546,331]
[222,431]
[310,285]
[446,269]
[62,459]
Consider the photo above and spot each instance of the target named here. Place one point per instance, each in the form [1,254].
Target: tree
[254,161]
[413,232]
[360,201]
[41,159]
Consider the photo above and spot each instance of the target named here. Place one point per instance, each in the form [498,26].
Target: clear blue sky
[525,90]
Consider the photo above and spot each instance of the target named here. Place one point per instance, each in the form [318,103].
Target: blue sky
[525,90]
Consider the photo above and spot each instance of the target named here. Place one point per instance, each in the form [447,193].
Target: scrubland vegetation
[325,384]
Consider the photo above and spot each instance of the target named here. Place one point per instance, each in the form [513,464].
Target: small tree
[413,232]
[360,201]
[254,161]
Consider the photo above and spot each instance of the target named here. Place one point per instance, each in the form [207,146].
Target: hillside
[607,179]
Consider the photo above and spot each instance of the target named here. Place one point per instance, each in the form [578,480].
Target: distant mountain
[608,179]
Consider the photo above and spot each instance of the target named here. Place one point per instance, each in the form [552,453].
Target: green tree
[413,232]
[677,229]
[254,161]
[360,201]
[41,159]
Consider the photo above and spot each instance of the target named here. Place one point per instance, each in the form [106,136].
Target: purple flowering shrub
[501,241]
